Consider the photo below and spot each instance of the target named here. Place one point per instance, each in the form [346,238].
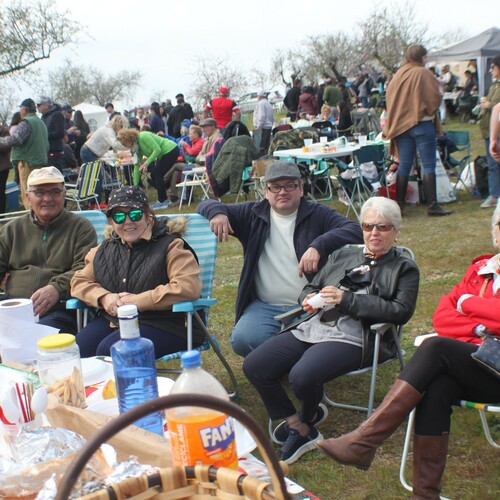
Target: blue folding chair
[204,242]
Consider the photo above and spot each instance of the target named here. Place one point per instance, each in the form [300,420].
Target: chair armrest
[76,304]
[287,317]
[381,328]
[193,305]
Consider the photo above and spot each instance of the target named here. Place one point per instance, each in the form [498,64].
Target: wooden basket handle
[164,403]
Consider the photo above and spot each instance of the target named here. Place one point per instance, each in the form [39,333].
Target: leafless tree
[9,101]
[209,75]
[30,32]
[74,84]
[388,31]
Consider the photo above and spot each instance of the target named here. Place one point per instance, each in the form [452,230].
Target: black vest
[120,268]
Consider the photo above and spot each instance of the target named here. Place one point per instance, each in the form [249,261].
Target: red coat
[477,310]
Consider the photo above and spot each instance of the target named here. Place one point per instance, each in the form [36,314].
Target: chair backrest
[459,137]
[204,242]
[87,178]
[98,220]
[374,153]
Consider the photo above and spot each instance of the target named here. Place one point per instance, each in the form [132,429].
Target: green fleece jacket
[153,146]
[34,257]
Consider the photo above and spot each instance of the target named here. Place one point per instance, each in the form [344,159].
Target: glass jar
[60,368]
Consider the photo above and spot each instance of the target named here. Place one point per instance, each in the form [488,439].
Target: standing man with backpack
[291,100]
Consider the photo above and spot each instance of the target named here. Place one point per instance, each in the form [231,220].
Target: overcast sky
[163,38]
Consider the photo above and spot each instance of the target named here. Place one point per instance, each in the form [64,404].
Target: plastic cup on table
[362,140]
[308,142]
[317,301]
[323,139]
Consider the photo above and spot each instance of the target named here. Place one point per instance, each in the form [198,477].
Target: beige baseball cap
[45,175]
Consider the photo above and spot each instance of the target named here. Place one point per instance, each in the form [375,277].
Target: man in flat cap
[41,251]
[30,144]
[286,240]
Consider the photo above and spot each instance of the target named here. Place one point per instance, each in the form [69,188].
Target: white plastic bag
[444,190]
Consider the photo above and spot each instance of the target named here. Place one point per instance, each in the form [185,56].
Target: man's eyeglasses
[133,215]
[276,188]
[381,227]
[40,193]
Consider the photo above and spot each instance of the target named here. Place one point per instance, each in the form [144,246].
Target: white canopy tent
[481,47]
[95,116]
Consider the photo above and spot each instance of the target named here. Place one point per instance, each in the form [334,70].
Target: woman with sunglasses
[143,261]
[440,373]
[360,286]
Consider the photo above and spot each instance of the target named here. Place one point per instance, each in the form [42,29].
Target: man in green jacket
[40,251]
[30,144]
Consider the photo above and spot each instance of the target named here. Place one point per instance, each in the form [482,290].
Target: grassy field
[444,248]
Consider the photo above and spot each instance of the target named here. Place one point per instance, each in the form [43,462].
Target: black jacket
[55,122]
[391,297]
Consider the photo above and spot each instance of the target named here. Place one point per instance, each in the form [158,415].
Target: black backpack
[481,175]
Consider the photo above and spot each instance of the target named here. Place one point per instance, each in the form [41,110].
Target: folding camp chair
[458,160]
[355,187]
[85,188]
[326,129]
[204,242]
[480,407]
[192,179]
[378,330]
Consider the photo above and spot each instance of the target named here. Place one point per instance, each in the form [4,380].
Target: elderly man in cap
[30,144]
[286,240]
[179,113]
[55,122]
[211,133]
[41,251]
[222,109]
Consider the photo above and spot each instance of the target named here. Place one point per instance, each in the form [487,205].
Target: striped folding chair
[85,188]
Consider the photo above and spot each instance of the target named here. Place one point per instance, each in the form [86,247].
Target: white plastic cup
[308,142]
[362,140]
[323,139]
[317,301]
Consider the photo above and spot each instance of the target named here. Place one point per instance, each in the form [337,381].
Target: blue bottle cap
[190,359]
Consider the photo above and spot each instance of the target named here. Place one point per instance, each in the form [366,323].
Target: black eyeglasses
[381,227]
[133,215]
[40,193]
[276,188]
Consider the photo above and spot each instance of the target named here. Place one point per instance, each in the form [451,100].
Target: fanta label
[203,438]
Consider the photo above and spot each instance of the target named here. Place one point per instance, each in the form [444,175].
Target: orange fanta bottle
[200,435]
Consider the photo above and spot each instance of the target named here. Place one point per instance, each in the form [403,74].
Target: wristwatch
[480,330]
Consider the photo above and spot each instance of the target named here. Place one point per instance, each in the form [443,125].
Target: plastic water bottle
[200,434]
[135,369]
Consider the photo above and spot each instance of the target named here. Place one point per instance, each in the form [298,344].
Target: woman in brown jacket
[413,100]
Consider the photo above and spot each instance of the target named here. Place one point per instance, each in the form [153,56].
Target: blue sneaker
[296,445]
[157,205]
[280,433]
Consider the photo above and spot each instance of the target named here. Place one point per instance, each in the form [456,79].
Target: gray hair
[384,207]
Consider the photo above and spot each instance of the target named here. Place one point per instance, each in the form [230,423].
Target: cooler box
[12,192]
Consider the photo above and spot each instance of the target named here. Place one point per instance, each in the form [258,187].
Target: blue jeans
[65,321]
[87,155]
[493,172]
[421,138]
[256,325]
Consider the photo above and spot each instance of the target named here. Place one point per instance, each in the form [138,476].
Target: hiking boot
[280,433]
[296,445]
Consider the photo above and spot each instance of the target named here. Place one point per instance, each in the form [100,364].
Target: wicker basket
[202,482]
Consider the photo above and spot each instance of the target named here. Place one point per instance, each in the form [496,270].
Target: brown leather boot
[358,448]
[429,460]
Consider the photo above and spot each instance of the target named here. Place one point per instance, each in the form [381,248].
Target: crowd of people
[293,250]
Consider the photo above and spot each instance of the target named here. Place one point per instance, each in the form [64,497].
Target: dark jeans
[4,175]
[444,371]
[421,138]
[309,366]
[97,338]
[65,321]
[162,166]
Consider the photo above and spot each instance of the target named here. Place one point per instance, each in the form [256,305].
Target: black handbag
[488,354]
